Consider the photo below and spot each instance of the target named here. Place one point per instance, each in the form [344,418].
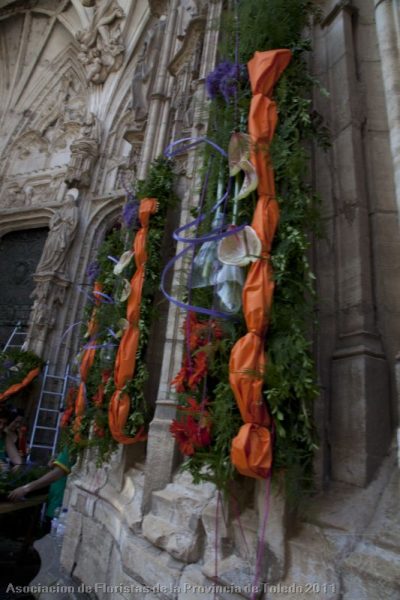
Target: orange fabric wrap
[125,362]
[251,451]
[13,389]
[86,364]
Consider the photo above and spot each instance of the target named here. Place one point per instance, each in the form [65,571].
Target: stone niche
[20,252]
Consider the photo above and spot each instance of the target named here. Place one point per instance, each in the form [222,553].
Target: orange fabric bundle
[126,356]
[251,451]
[13,389]
[87,362]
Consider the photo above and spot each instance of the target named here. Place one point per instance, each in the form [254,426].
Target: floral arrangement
[24,474]
[16,366]
[208,418]
[106,322]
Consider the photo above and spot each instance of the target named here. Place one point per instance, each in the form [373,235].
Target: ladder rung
[48,428]
[52,393]
[50,409]
[42,446]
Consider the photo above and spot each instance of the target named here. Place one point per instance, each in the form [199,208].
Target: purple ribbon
[112,332]
[70,328]
[107,298]
[261,541]
[90,346]
[194,141]
[183,145]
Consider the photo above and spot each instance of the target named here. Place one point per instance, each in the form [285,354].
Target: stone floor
[17,567]
[348,544]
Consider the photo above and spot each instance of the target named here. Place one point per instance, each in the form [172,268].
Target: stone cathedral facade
[91,91]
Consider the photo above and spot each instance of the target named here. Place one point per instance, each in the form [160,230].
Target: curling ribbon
[175,148]
[86,364]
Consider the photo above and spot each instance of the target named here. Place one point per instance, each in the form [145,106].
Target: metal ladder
[46,426]
[17,333]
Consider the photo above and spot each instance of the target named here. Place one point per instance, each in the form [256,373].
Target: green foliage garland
[15,366]
[291,385]
[22,476]
[94,430]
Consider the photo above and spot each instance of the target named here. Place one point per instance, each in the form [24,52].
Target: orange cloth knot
[251,448]
[125,362]
[251,451]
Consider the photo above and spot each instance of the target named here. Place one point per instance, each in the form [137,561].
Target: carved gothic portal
[20,252]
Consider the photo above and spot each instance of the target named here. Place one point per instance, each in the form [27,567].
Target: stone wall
[357,260]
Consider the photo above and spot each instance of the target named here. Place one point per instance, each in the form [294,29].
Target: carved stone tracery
[101,46]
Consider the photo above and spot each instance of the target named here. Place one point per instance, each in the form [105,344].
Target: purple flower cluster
[225,80]
[130,212]
[93,271]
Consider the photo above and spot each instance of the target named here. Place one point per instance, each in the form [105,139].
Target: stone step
[174,522]
[182,543]
[371,572]
[179,505]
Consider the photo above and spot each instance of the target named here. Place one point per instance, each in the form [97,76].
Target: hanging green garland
[291,385]
[94,431]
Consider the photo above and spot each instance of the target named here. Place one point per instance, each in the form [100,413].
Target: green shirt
[57,489]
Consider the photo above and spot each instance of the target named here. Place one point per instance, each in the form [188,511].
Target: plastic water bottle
[61,526]
[54,522]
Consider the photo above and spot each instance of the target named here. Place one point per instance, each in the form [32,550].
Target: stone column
[359,415]
[387,28]
[161,449]
[387,17]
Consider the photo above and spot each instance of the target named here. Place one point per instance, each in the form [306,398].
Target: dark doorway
[20,253]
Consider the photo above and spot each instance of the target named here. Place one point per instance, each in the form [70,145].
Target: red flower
[70,407]
[204,436]
[98,398]
[199,369]
[190,434]
[180,379]
[180,432]
[98,431]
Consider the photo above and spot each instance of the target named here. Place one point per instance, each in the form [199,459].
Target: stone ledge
[148,565]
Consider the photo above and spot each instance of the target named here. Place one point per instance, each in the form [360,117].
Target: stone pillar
[387,17]
[387,28]
[49,295]
[161,449]
[359,415]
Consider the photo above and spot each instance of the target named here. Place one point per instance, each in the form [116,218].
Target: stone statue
[63,226]
[29,193]
[84,151]
[147,62]
[101,47]
[187,10]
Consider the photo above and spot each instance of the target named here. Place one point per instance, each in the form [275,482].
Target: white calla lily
[241,248]
[126,291]
[123,262]
[123,324]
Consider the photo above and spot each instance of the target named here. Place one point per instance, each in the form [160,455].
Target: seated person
[56,479]
[8,449]
[17,431]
